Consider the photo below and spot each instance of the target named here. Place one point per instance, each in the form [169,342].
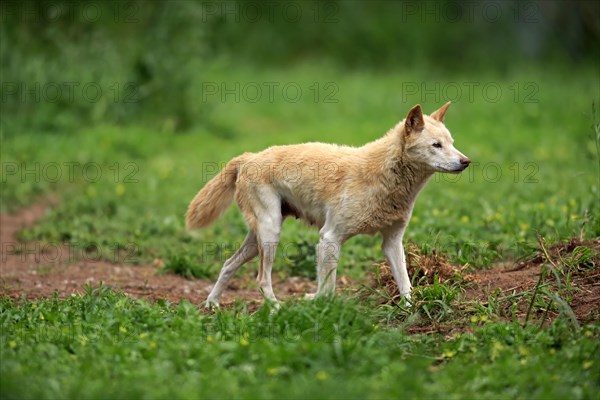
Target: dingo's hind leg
[245,253]
[261,206]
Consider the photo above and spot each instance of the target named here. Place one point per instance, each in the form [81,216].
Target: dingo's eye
[437,145]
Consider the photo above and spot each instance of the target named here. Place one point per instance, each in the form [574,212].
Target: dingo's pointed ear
[414,120]
[441,113]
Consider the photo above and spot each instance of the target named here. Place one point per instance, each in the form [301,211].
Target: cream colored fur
[342,190]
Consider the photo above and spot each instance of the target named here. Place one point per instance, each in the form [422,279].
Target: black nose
[465,161]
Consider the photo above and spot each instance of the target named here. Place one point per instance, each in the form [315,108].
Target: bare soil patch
[28,272]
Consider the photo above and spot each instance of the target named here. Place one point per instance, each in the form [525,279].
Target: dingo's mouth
[452,171]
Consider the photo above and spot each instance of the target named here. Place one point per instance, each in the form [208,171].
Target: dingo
[342,190]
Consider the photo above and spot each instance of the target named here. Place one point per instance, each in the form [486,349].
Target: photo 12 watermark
[292,172]
[493,172]
[69,92]
[48,12]
[289,12]
[470,92]
[270,91]
[66,252]
[69,172]
[470,11]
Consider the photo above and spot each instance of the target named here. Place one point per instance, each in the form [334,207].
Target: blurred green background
[150,59]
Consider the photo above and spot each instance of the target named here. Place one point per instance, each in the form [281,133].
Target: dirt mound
[570,268]
[563,251]
[425,267]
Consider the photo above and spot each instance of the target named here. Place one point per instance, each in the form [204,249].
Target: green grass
[104,344]
[330,348]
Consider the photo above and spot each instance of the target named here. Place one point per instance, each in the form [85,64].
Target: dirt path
[28,271]
[35,270]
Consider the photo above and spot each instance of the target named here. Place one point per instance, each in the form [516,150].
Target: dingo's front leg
[394,253]
[328,252]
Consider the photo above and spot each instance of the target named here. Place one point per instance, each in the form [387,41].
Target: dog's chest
[376,210]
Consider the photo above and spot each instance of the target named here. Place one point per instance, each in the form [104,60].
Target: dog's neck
[401,178]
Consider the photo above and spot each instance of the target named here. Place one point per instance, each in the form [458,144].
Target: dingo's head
[428,142]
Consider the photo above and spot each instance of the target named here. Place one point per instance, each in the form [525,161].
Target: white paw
[273,305]
[310,296]
[210,304]
[406,300]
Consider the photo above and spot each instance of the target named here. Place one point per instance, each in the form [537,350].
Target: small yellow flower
[122,329]
[244,342]
[12,344]
[120,189]
[143,335]
[574,217]
[449,354]
[152,345]
[42,317]
[435,212]
[572,202]
[588,364]
[474,319]
[484,318]
[524,351]
[210,339]
[322,376]
[464,219]
[272,371]
[587,333]
[497,348]
[552,351]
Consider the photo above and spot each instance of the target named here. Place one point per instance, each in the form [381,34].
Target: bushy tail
[214,198]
